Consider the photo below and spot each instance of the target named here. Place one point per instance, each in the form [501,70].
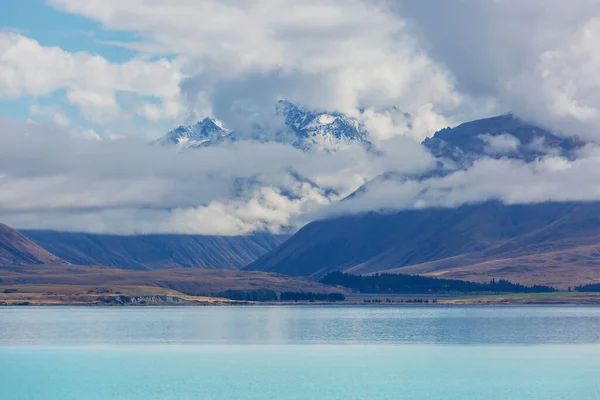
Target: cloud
[54,113]
[536,58]
[401,69]
[331,55]
[508,180]
[91,81]
[50,179]
[22,58]
[499,144]
[96,106]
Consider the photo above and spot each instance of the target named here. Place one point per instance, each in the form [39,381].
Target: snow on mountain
[204,133]
[296,126]
[321,130]
[304,129]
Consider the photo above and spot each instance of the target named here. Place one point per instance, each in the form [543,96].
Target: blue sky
[72,33]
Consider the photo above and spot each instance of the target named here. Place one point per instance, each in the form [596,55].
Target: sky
[86,85]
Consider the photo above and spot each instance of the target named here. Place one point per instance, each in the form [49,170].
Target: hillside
[148,252]
[548,243]
[452,243]
[561,268]
[191,281]
[16,249]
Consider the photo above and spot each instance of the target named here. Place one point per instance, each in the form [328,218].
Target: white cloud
[61,119]
[507,180]
[54,113]
[418,123]
[537,58]
[91,134]
[54,180]
[167,109]
[30,69]
[499,144]
[404,74]
[96,106]
[333,55]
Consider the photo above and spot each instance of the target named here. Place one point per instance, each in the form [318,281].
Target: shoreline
[45,295]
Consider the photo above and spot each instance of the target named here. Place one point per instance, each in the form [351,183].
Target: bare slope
[440,241]
[148,252]
[192,281]
[16,249]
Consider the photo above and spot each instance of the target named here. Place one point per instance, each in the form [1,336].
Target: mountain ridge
[158,251]
[305,129]
[16,249]
[501,136]
[460,242]
[439,240]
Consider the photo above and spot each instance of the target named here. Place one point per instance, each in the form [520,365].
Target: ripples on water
[300,353]
[299,325]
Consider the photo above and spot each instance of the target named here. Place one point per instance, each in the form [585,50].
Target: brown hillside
[191,281]
[16,249]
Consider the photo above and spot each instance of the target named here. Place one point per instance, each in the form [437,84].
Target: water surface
[82,326]
[301,352]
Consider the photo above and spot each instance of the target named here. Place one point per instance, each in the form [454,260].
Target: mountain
[543,242]
[449,242]
[149,252]
[321,130]
[16,249]
[302,128]
[501,136]
[206,132]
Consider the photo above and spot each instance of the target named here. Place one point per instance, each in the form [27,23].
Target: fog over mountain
[308,104]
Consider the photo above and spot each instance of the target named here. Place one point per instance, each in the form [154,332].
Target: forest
[401,283]
[592,287]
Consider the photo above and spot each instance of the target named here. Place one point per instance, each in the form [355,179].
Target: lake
[299,352]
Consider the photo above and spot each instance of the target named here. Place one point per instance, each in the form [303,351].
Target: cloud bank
[51,180]
[400,67]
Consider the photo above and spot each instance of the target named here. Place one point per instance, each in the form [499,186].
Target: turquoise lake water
[300,353]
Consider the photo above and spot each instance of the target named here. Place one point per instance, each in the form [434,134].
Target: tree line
[402,283]
[592,287]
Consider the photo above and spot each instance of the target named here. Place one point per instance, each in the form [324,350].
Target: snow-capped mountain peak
[304,129]
[203,133]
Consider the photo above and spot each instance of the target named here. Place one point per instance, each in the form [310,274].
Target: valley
[555,244]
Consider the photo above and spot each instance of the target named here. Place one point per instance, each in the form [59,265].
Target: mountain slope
[500,136]
[16,249]
[192,281]
[559,268]
[148,252]
[374,242]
